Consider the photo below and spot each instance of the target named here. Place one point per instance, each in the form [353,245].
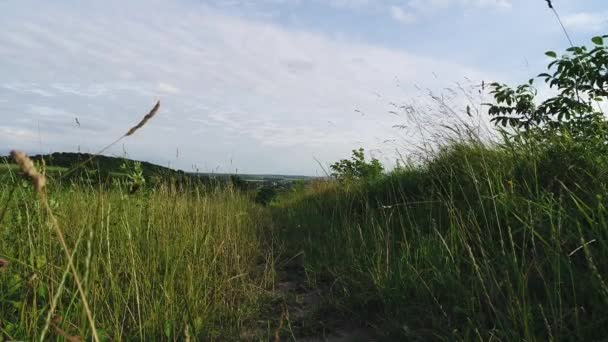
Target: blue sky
[263,86]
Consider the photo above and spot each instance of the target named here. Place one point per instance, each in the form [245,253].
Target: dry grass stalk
[284,317]
[72,266]
[27,166]
[55,324]
[131,131]
[144,120]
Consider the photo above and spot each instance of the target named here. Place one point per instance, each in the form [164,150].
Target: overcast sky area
[259,86]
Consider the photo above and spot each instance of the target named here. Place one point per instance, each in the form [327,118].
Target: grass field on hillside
[153,266]
[480,243]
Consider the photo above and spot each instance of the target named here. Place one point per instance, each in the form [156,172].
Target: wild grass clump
[479,242]
[152,266]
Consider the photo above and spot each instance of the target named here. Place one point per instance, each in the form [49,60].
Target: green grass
[476,242]
[6,168]
[154,265]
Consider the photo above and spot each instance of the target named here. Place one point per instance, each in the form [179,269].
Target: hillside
[100,162]
[109,166]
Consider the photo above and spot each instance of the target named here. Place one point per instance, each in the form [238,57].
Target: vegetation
[357,168]
[152,264]
[580,81]
[480,240]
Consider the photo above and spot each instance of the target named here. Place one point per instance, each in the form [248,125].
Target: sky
[264,86]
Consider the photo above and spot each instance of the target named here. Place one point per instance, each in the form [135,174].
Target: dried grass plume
[27,167]
[144,120]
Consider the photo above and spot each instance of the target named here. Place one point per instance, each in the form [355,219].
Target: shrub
[266,194]
[357,167]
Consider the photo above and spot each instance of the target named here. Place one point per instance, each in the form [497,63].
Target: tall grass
[479,242]
[164,264]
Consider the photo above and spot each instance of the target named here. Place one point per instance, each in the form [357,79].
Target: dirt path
[304,314]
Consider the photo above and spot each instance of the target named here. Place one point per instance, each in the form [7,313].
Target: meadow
[500,239]
[151,264]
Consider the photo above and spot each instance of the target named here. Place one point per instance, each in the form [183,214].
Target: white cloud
[587,22]
[270,97]
[429,5]
[167,88]
[343,4]
[399,14]
[346,3]
[31,88]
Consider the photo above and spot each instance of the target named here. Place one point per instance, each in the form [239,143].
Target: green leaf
[551,54]
[598,40]
[168,329]
[43,291]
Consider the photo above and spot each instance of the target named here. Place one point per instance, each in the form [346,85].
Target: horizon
[197,172]
[262,87]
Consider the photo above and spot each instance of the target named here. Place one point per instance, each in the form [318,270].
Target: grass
[154,266]
[6,168]
[479,242]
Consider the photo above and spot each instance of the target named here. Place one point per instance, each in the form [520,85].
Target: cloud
[340,4]
[268,96]
[167,88]
[586,21]
[399,14]
[31,88]
[349,4]
[430,5]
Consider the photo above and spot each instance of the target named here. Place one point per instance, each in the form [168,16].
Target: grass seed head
[144,120]
[27,167]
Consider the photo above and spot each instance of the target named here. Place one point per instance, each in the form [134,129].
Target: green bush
[266,194]
[357,167]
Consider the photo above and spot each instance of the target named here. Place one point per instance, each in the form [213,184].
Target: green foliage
[134,173]
[580,80]
[238,182]
[160,266]
[266,194]
[480,242]
[357,167]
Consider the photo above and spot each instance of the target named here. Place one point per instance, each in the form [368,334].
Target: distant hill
[107,165]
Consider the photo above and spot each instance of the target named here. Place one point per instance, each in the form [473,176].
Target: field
[150,264]
[478,242]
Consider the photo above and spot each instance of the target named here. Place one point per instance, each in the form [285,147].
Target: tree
[357,167]
[580,78]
